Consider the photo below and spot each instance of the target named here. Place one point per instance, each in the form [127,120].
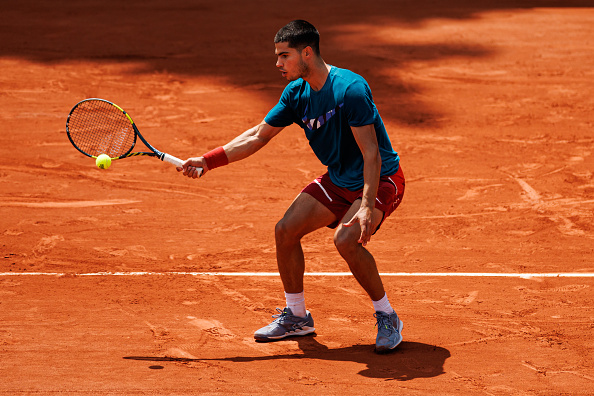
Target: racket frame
[154,152]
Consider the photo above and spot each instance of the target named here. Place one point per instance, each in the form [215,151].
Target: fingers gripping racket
[97,126]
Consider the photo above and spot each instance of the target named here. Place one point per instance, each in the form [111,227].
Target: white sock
[383,305]
[296,301]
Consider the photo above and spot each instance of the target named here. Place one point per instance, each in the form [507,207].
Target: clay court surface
[103,284]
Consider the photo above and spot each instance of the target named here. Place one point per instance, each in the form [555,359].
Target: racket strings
[98,127]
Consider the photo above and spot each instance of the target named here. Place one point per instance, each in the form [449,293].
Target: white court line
[74,204]
[318,274]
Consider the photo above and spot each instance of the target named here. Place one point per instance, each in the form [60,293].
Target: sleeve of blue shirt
[281,115]
[358,104]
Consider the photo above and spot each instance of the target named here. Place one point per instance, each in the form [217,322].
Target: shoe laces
[282,314]
[383,322]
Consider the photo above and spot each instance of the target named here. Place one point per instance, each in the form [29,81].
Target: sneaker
[284,325]
[389,331]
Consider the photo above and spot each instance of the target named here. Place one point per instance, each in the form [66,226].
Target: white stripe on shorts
[395,186]
[324,190]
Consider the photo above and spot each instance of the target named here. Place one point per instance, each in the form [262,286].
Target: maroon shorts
[339,200]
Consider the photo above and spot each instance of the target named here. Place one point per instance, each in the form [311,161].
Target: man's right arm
[239,148]
[250,141]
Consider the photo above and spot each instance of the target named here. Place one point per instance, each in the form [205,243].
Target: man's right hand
[194,167]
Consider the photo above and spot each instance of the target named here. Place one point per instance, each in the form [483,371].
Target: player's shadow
[409,361]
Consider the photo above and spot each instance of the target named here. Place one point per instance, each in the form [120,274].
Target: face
[290,62]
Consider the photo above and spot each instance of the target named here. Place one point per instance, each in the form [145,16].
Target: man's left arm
[372,164]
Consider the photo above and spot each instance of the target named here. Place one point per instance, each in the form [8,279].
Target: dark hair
[299,34]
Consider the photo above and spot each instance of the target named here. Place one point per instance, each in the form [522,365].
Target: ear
[308,52]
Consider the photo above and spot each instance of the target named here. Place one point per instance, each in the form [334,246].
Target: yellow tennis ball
[103,161]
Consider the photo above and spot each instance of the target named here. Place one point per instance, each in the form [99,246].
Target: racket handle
[173,160]
[176,161]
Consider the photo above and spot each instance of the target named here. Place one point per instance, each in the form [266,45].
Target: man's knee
[346,240]
[284,233]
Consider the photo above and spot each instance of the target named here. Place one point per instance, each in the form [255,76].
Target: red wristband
[216,158]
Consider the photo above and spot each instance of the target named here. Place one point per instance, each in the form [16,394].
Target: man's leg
[360,261]
[305,215]
[364,268]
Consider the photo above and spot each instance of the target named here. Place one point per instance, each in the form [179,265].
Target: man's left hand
[364,218]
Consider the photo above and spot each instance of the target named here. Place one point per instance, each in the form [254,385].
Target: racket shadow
[410,360]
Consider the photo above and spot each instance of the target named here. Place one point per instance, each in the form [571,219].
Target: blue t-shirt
[327,116]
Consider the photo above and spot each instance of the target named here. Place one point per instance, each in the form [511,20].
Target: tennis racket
[98,126]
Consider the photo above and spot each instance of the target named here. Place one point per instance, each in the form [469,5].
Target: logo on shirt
[314,123]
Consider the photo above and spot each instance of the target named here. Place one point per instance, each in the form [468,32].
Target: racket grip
[176,161]
[173,160]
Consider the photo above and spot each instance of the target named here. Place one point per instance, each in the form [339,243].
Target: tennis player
[364,183]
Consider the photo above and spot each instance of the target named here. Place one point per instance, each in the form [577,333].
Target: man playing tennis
[364,183]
